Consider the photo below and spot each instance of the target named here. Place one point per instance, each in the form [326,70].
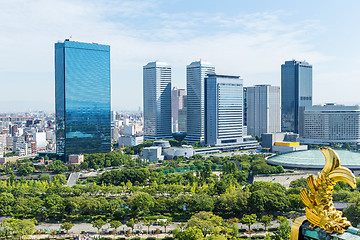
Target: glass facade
[196,72]
[157,100]
[223,110]
[296,94]
[82,98]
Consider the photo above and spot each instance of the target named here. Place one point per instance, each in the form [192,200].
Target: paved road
[284,179]
[72,180]
[87,227]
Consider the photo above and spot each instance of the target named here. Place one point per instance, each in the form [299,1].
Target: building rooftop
[82,45]
[200,63]
[156,64]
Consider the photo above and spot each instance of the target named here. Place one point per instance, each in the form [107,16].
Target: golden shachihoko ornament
[320,210]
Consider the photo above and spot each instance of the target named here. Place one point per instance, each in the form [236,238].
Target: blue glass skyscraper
[296,94]
[223,110]
[82,98]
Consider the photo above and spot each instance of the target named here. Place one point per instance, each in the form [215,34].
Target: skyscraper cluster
[214,108]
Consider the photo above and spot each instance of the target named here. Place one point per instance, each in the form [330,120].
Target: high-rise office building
[182,122]
[195,75]
[177,96]
[157,100]
[296,94]
[263,110]
[82,98]
[223,110]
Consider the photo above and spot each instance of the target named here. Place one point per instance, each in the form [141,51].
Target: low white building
[131,140]
[153,154]
[331,123]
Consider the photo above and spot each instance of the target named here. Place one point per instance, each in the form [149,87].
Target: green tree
[7,202]
[115,224]
[353,211]
[148,223]
[54,205]
[266,220]
[283,231]
[59,179]
[98,223]
[26,169]
[67,226]
[19,229]
[57,166]
[131,223]
[165,223]
[192,233]
[207,222]
[141,202]
[249,220]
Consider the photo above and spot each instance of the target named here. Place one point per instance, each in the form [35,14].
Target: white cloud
[252,45]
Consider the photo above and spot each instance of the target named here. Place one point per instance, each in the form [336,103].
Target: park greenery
[203,193]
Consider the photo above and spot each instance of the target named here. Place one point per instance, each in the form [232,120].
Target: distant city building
[263,109]
[130,140]
[296,94]
[153,153]
[157,100]
[2,140]
[223,110]
[331,124]
[196,72]
[182,116]
[76,159]
[40,139]
[82,98]
[282,142]
[245,108]
[4,160]
[177,96]
[162,150]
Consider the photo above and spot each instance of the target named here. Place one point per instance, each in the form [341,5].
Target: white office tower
[157,100]
[195,75]
[223,110]
[263,110]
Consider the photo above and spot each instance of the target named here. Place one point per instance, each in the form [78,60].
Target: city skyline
[263,34]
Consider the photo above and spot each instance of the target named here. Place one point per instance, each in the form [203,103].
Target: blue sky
[247,38]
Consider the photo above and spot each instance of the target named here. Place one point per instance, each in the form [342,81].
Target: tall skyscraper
[195,75]
[296,94]
[223,110]
[177,96]
[263,110]
[82,98]
[157,100]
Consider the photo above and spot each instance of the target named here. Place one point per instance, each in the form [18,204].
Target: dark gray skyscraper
[296,94]
[82,98]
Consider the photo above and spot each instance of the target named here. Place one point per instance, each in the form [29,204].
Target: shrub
[168,238]
[258,237]
[151,238]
